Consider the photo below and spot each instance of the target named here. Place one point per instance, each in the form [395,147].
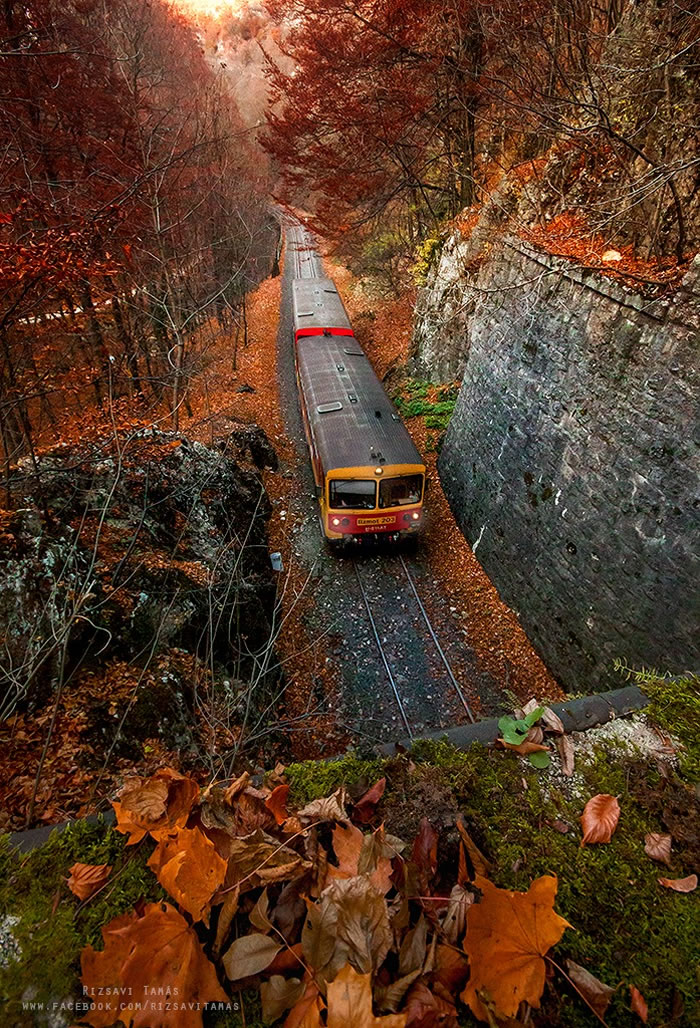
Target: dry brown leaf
[350,1003]
[189,868]
[276,803]
[259,915]
[552,721]
[86,879]
[388,998]
[257,860]
[680,884]
[153,950]
[638,1004]
[154,805]
[426,1009]
[591,988]
[249,955]
[566,754]
[236,787]
[599,819]
[351,848]
[414,948]
[365,808]
[454,923]
[307,1012]
[508,934]
[363,922]
[330,808]
[658,847]
[279,994]
[227,913]
[451,969]
[480,865]
[524,748]
[424,852]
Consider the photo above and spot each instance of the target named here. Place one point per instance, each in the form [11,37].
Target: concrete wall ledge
[576,716]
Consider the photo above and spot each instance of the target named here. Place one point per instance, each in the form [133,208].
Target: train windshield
[399,492]
[353,493]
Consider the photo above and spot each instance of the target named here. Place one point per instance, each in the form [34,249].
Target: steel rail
[382,654]
[434,637]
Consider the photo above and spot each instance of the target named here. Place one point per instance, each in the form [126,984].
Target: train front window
[353,493]
[400,492]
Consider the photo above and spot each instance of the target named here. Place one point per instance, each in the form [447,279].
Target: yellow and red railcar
[369,476]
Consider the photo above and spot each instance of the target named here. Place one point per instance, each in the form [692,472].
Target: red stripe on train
[322,331]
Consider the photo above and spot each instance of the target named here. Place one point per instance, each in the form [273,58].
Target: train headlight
[415,515]
[335,522]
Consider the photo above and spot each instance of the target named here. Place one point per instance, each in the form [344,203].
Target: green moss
[51,940]
[626,927]
[312,779]
[675,706]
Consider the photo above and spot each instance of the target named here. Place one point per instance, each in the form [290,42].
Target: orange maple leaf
[350,1003]
[187,865]
[508,934]
[156,954]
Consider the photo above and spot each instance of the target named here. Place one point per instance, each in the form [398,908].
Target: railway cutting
[388,632]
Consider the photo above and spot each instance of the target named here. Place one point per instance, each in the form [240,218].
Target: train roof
[351,417]
[317,304]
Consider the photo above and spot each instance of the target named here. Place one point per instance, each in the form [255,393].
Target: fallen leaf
[611,255]
[388,998]
[279,994]
[249,955]
[330,808]
[413,948]
[680,884]
[350,1003]
[189,868]
[256,860]
[451,969]
[307,1012]
[425,1009]
[454,922]
[480,865]
[228,911]
[154,805]
[658,847]
[424,852]
[508,934]
[566,754]
[599,819]
[365,808]
[349,845]
[276,803]
[524,748]
[155,949]
[86,879]
[259,915]
[638,1004]
[552,721]
[595,992]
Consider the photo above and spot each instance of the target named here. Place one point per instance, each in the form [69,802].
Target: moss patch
[50,940]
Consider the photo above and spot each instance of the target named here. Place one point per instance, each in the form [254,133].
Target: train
[369,476]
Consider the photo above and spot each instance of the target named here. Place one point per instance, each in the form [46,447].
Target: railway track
[386,658]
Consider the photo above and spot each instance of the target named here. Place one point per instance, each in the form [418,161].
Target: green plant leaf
[534,716]
[513,730]
[539,760]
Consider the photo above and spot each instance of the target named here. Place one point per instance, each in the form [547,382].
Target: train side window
[400,492]
[354,493]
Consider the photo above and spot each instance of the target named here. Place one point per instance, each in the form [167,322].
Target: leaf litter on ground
[334,923]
